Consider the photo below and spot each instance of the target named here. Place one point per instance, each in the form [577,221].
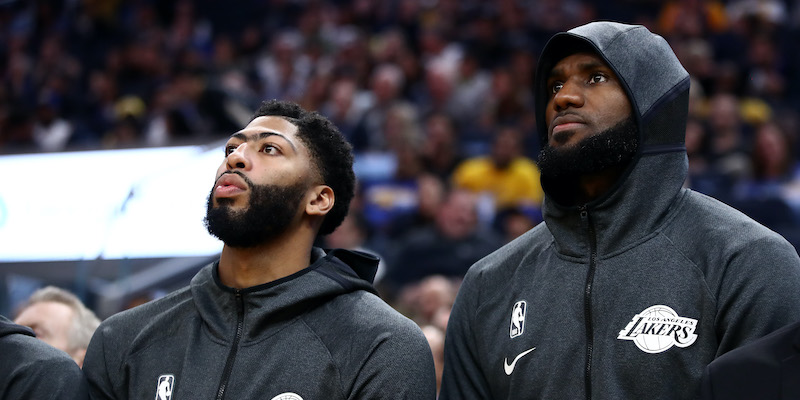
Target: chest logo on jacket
[658,328]
[518,318]
[287,396]
[164,387]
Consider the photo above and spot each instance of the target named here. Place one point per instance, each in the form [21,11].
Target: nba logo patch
[164,388]
[518,318]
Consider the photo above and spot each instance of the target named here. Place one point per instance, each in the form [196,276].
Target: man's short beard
[269,213]
[613,147]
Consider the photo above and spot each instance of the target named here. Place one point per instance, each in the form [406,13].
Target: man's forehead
[268,123]
[584,61]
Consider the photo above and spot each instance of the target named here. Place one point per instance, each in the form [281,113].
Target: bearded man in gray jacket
[633,284]
[274,318]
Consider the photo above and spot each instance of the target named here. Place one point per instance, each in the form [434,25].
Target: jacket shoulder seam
[327,350]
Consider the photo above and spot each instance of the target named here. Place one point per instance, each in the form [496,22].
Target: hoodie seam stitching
[670,95]
[327,351]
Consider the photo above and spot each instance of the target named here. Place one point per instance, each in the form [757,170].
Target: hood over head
[657,86]
[656,83]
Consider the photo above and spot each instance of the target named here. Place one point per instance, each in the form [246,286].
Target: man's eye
[598,78]
[229,149]
[270,149]
[556,87]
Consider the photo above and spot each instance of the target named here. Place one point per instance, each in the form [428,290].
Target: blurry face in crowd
[458,216]
[589,118]
[260,185]
[51,322]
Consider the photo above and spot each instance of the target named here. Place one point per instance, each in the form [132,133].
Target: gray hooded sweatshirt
[320,333]
[32,369]
[631,295]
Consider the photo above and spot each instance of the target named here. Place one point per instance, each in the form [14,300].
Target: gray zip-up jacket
[320,333]
[32,369]
[631,295]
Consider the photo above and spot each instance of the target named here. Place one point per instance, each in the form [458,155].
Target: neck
[246,267]
[592,186]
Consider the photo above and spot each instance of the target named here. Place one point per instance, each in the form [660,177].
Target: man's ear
[322,200]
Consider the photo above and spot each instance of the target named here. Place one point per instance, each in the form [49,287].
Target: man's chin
[585,155]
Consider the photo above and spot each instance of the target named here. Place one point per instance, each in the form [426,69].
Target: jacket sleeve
[759,292]
[54,378]
[399,366]
[96,368]
[462,377]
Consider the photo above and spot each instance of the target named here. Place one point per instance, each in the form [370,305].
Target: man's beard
[613,147]
[270,211]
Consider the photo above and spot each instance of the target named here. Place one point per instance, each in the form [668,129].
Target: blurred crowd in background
[435,96]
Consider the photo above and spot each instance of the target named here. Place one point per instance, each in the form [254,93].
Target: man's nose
[239,158]
[570,95]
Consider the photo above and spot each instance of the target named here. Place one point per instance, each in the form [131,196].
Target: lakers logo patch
[658,328]
[287,396]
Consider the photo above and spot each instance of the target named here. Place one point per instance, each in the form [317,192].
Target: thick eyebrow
[261,136]
[583,67]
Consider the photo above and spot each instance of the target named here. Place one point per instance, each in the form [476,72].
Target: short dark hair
[330,152]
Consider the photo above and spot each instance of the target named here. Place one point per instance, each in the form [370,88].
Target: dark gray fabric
[321,333]
[32,369]
[767,369]
[647,242]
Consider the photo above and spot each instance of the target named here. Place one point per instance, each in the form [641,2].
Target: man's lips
[566,122]
[229,184]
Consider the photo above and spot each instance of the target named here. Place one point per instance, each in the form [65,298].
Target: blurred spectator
[691,18]
[343,107]
[511,179]
[449,247]
[728,144]
[472,85]
[508,104]
[50,130]
[60,319]
[386,83]
[765,76]
[772,195]
[391,199]
[435,338]
[441,147]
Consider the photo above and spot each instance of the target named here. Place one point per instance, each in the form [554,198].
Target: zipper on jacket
[226,373]
[587,299]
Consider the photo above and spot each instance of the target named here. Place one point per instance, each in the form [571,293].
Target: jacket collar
[629,213]
[269,307]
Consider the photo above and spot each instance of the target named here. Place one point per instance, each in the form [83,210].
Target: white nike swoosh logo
[510,368]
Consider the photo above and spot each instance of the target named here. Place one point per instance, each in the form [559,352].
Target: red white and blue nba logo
[165,386]
[518,318]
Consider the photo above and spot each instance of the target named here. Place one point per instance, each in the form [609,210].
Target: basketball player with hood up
[633,284]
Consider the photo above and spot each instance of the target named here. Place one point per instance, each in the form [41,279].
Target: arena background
[113,113]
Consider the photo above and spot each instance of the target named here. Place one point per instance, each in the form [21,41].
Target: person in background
[454,241]
[60,319]
[510,178]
